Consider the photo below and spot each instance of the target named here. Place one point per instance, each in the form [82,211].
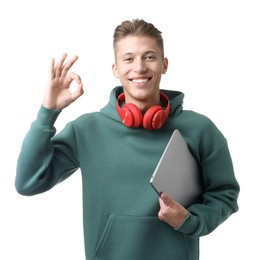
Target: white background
[212,47]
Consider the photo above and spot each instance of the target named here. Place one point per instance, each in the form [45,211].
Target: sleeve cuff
[46,118]
[188,226]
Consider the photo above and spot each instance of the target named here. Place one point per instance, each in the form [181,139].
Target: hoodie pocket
[140,238]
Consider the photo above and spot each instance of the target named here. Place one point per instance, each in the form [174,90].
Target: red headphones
[153,119]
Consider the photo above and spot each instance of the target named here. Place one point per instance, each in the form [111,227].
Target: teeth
[139,80]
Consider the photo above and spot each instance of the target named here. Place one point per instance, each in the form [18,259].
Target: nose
[139,66]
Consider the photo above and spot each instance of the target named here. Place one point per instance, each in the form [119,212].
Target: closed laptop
[178,173]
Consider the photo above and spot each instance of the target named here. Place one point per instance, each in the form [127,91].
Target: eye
[128,59]
[150,57]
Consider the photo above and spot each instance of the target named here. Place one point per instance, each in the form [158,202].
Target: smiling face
[139,66]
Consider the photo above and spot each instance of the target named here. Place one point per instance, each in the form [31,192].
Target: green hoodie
[120,208]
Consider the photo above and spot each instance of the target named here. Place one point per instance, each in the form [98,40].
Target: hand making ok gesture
[58,94]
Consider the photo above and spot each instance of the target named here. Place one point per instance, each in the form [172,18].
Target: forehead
[136,45]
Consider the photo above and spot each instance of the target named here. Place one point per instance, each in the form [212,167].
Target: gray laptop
[178,173]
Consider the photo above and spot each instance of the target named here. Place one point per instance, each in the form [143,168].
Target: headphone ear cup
[154,118]
[129,114]
[133,115]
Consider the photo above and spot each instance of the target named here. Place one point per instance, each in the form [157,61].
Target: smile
[140,80]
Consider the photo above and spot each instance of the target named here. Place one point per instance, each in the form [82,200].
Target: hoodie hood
[175,98]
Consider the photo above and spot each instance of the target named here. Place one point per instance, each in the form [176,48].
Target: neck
[144,105]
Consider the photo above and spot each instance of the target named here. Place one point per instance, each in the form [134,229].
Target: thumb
[77,93]
[166,199]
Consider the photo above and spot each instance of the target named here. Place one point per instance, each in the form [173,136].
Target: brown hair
[137,27]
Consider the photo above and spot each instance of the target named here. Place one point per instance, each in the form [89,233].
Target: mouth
[141,80]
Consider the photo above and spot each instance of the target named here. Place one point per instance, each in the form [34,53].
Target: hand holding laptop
[171,212]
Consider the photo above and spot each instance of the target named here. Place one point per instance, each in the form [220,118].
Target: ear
[165,65]
[114,69]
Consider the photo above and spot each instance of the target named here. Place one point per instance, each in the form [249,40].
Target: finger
[167,200]
[79,90]
[68,65]
[52,69]
[73,77]
[162,203]
[59,65]
[165,211]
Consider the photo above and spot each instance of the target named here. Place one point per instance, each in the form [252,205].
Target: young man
[117,150]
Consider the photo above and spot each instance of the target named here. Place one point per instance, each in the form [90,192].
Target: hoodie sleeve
[42,163]
[221,187]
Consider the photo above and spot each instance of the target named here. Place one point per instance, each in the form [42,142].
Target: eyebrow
[145,53]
